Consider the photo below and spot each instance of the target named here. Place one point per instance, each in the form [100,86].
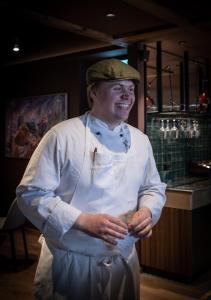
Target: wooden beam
[158,34]
[168,15]
[67,26]
[159,11]
[51,54]
[186,81]
[159,77]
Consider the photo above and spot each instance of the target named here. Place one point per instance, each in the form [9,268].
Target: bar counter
[189,196]
[180,245]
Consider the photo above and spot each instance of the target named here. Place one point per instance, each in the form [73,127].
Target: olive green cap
[111,69]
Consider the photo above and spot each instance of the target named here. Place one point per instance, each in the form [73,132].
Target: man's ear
[93,93]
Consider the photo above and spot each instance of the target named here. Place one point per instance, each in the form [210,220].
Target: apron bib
[108,183]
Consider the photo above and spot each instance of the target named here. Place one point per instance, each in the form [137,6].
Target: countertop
[189,195]
[192,184]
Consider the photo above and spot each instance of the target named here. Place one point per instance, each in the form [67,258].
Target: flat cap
[111,69]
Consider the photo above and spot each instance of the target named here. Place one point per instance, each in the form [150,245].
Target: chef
[92,188]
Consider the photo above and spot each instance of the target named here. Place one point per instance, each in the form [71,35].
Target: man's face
[113,100]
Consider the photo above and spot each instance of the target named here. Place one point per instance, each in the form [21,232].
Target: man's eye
[117,88]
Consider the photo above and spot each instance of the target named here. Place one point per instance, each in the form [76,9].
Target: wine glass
[162,130]
[167,131]
[174,131]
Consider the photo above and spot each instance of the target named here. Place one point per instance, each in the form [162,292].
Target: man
[93,189]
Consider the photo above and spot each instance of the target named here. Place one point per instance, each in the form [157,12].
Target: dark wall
[61,74]
[64,74]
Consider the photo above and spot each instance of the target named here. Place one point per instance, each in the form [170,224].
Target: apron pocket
[101,170]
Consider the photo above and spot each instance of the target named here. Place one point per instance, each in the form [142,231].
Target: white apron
[81,267]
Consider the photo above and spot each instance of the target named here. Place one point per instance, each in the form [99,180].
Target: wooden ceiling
[53,28]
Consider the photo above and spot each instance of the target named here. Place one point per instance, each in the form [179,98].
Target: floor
[18,284]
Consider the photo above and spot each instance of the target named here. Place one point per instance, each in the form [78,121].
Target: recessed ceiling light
[110,15]
[182,43]
[16,48]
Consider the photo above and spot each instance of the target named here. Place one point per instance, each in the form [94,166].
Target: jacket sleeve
[152,192]
[36,192]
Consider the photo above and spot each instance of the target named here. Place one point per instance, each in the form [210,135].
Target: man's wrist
[80,222]
[144,208]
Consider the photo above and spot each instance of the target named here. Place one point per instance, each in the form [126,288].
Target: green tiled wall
[172,155]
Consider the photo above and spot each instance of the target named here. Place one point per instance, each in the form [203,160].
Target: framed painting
[29,118]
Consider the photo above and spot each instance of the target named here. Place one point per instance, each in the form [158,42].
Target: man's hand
[102,226]
[141,223]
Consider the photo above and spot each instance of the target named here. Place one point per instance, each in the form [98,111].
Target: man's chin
[123,117]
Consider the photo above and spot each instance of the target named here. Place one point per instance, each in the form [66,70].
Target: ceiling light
[16,47]
[182,43]
[110,15]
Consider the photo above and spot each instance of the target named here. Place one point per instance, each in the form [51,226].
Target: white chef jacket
[54,189]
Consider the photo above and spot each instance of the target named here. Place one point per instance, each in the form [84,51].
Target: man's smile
[122,106]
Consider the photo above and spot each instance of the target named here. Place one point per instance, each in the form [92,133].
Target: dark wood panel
[180,242]
[201,238]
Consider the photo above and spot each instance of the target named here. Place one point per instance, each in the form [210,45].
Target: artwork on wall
[29,118]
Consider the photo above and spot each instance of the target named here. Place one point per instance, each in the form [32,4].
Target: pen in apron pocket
[94,154]
[93,163]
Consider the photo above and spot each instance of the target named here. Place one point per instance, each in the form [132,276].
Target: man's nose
[125,92]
